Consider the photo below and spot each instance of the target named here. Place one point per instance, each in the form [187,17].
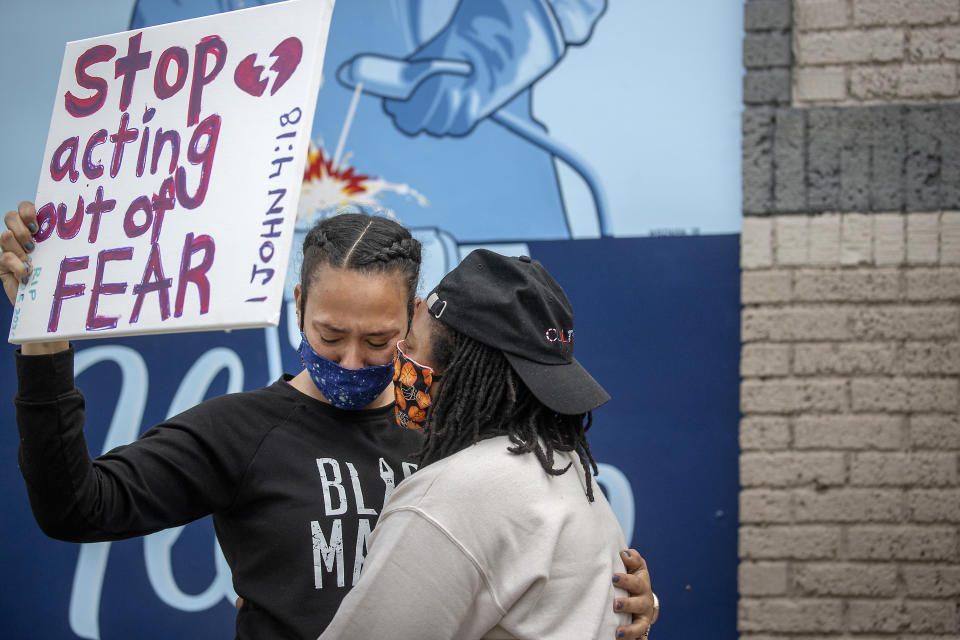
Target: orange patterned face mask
[411,386]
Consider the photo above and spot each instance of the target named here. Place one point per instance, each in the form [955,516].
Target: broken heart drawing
[249,74]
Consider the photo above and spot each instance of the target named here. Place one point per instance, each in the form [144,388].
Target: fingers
[17,239]
[239,603]
[28,214]
[635,563]
[640,603]
[637,605]
[642,609]
[636,583]
[16,242]
[633,631]
[22,223]
[14,263]
[633,560]
[13,271]
[11,247]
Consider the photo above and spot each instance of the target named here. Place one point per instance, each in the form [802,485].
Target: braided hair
[482,397]
[364,243]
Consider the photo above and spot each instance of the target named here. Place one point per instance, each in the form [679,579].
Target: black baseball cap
[515,305]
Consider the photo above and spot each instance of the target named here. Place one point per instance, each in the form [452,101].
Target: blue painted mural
[527,126]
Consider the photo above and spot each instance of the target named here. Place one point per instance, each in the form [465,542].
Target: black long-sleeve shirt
[294,485]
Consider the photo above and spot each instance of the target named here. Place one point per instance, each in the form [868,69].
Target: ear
[417,303]
[296,297]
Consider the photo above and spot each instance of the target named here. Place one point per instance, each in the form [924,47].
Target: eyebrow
[385,332]
[335,329]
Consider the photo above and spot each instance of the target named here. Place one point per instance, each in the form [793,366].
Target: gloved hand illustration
[490,51]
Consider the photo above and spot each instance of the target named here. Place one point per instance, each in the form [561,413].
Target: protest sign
[171,175]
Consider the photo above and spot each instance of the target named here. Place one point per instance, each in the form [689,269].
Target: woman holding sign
[295,474]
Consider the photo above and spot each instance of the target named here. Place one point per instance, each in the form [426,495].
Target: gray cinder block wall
[850,365]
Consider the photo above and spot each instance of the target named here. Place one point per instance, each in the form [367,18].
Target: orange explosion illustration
[331,186]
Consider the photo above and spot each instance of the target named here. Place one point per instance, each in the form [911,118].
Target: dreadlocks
[482,397]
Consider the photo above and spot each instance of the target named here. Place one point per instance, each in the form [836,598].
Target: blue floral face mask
[349,389]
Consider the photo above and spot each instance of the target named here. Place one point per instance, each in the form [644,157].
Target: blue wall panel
[657,322]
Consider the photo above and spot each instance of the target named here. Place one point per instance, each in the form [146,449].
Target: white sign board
[171,176]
